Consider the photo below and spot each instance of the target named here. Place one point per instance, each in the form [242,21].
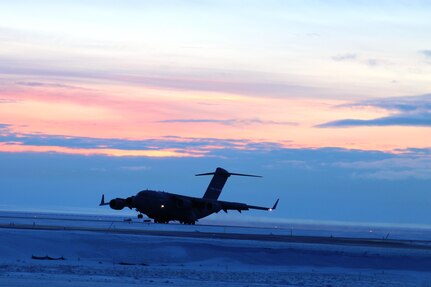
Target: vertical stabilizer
[218,181]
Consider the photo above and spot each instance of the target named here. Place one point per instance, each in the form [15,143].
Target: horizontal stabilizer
[208,173]
[242,174]
[229,174]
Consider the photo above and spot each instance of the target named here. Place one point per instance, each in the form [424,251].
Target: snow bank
[116,259]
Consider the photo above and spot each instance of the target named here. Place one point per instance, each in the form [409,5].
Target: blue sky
[321,184]
[328,100]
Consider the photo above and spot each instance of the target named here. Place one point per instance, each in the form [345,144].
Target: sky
[329,100]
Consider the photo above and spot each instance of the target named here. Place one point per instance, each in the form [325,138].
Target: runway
[115,224]
[109,251]
[370,242]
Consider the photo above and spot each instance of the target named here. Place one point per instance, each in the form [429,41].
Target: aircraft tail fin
[218,181]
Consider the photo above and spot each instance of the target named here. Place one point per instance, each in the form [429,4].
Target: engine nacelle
[117,203]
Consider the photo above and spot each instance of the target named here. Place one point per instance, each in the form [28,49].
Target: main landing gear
[161,221]
[188,222]
[158,220]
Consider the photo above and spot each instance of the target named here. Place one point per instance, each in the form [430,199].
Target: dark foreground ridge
[370,242]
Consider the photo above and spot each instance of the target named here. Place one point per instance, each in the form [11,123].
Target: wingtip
[102,201]
[275,204]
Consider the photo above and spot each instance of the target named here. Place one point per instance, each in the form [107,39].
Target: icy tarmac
[107,251]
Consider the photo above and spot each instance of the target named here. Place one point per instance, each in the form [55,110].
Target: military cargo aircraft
[163,207]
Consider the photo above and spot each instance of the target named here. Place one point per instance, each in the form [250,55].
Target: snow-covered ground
[100,257]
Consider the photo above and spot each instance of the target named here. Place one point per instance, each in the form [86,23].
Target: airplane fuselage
[165,206]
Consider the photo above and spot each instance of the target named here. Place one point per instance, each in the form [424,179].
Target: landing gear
[188,222]
[158,220]
[161,221]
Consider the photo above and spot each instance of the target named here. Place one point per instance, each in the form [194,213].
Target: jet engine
[117,203]
[120,203]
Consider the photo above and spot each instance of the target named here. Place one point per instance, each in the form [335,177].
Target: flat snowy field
[110,252]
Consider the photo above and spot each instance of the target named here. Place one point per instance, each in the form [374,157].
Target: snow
[102,258]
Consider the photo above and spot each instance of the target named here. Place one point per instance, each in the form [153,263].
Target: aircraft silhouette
[164,207]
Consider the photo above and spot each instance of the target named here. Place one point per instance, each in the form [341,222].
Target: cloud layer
[173,145]
[230,122]
[426,53]
[408,111]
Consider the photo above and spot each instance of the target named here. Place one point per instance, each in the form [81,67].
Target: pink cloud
[133,112]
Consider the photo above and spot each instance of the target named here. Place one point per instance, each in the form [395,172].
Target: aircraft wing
[225,205]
